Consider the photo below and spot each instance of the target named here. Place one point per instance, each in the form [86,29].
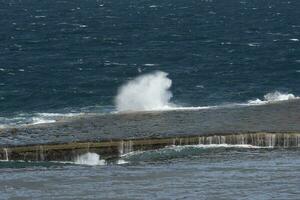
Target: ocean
[61,59]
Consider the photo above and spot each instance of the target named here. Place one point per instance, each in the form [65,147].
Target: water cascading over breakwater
[125,147]
[77,152]
[6,154]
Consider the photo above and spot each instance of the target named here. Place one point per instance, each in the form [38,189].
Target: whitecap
[24,119]
[59,114]
[254,44]
[150,64]
[273,97]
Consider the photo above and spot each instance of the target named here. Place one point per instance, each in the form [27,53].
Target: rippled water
[60,59]
[71,56]
[192,173]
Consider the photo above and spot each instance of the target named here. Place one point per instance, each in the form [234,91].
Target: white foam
[89,159]
[273,97]
[37,120]
[150,64]
[59,114]
[146,92]
[121,162]
[254,44]
[24,119]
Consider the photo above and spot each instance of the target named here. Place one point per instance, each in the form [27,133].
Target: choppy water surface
[71,56]
[172,173]
[62,59]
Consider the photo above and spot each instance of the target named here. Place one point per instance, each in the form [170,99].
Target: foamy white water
[58,114]
[89,159]
[273,97]
[34,118]
[44,118]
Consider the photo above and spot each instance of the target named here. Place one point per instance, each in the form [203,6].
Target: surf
[152,92]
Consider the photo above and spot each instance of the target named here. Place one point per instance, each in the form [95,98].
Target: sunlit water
[202,173]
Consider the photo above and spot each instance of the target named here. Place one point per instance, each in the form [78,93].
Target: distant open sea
[63,58]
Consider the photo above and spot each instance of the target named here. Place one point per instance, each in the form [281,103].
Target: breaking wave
[146,92]
[152,92]
[273,97]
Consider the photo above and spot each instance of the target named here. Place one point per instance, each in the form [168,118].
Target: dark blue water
[71,56]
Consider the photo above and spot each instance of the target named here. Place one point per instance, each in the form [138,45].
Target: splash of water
[146,92]
[152,92]
[89,159]
[273,97]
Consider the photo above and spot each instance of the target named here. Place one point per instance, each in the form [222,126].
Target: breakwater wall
[111,135]
[116,148]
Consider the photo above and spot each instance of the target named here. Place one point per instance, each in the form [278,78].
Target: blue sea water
[61,58]
[71,56]
[193,173]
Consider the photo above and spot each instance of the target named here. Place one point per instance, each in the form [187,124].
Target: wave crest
[273,97]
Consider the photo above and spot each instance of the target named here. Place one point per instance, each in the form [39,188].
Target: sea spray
[152,92]
[273,97]
[89,159]
[146,92]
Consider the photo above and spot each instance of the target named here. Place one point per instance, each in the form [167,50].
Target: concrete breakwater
[111,135]
[113,149]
